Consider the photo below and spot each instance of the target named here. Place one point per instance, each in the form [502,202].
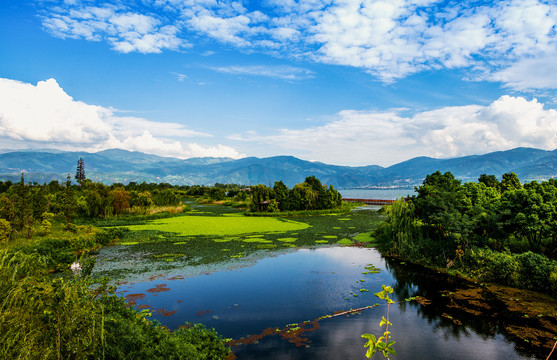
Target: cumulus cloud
[43,115]
[385,138]
[498,41]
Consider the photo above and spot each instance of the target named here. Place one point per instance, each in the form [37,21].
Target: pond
[282,304]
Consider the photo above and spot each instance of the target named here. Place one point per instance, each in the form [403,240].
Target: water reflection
[307,284]
[458,308]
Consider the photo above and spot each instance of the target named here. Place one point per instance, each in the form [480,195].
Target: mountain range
[123,166]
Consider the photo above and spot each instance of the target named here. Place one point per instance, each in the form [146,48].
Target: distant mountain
[123,166]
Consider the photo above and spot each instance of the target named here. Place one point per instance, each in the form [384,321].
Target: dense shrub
[105,237]
[60,318]
[5,231]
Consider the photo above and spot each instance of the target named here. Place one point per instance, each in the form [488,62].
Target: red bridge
[371,201]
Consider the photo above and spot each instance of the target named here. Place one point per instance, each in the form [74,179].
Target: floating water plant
[256,240]
[322,241]
[364,237]
[266,246]
[371,269]
[127,243]
[220,225]
[345,242]
[288,239]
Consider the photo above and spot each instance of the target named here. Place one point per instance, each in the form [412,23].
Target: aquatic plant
[382,343]
[220,225]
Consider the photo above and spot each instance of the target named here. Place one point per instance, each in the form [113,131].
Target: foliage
[309,195]
[382,343]
[61,318]
[526,270]
[80,171]
[5,231]
[503,232]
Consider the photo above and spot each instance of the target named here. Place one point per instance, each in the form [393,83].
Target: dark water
[247,297]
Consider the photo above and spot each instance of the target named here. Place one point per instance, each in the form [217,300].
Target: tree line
[495,230]
[24,205]
[309,195]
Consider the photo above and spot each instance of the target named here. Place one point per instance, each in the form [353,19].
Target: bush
[44,318]
[528,270]
[535,270]
[56,253]
[5,231]
[70,228]
[105,237]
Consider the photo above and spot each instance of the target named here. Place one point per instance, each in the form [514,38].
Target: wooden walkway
[371,201]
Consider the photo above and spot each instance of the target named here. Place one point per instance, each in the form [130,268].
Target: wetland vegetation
[149,260]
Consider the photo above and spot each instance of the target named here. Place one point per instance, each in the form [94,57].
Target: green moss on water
[345,242]
[213,237]
[220,225]
[364,237]
[288,239]
[266,246]
[257,240]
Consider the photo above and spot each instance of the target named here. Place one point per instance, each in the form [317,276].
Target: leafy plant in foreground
[382,344]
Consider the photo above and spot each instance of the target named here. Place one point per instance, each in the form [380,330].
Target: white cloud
[125,31]
[43,115]
[499,41]
[385,138]
[180,77]
[279,72]
[224,29]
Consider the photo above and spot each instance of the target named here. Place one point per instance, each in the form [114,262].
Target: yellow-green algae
[221,225]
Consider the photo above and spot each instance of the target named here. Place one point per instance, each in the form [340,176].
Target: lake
[383,194]
[262,301]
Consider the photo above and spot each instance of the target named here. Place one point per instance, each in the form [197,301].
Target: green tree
[510,181]
[260,195]
[489,181]
[281,194]
[68,200]
[80,171]
[143,200]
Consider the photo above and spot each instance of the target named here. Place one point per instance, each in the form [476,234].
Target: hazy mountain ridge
[124,166]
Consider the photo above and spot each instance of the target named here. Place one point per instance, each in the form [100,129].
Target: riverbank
[527,318]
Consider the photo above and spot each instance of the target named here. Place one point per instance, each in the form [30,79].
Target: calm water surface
[384,194]
[247,296]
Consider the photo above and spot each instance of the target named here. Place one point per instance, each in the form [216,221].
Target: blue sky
[341,82]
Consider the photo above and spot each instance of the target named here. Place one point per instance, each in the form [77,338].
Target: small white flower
[75,267]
